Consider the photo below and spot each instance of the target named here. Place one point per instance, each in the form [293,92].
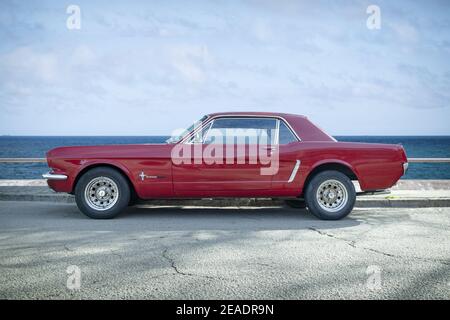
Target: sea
[37,146]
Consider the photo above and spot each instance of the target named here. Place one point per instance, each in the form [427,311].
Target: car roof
[302,126]
[253,113]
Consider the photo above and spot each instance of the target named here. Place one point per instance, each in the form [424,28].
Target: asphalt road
[215,253]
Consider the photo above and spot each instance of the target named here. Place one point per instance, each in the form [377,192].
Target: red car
[251,154]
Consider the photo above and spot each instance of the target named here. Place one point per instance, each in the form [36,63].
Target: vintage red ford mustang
[251,154]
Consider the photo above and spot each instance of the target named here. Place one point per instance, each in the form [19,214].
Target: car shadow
[229,218]
[62,217]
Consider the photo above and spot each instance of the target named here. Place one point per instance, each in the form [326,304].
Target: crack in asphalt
[173,265]
[66,247]
[352,244]
[177,271]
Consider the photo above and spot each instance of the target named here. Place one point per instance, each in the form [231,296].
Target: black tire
[134,199]
[122,193]
[312,199]
[294,203]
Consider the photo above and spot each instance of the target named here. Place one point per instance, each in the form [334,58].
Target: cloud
[83,56]
[191,61]
[262,30]
[135,66]
[405,31]
[25,64]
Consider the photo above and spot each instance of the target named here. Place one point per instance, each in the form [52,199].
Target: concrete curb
[406,194]
[402,203]
[419,184]
[361,202]
[60,198]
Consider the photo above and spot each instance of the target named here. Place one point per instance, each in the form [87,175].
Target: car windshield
[178,137]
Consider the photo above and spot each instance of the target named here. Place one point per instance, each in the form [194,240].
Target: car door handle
[270,148]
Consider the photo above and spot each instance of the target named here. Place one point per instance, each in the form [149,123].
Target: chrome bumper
[53,176]
[405,167]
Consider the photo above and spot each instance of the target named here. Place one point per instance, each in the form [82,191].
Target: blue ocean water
[37,146]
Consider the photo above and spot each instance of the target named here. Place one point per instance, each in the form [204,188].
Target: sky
[149,67]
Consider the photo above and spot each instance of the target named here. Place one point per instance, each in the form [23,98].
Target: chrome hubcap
[101,193]
[332,195]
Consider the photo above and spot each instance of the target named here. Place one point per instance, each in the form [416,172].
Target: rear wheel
[330,195]
[102,193]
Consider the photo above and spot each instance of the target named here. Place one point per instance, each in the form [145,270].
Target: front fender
[84,165]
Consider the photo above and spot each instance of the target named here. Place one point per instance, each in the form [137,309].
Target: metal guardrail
[44,160]
[22,160]
[429,160]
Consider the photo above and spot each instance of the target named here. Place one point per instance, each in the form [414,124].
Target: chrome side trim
[209,119]
[294,171]
[53,176]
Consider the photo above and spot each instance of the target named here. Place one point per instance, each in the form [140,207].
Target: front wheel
[102,193]
[330,195]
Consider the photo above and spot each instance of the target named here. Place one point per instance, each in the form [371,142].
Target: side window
[198,136]
[242,131]
[286,135]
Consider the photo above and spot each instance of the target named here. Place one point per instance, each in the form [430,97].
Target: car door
[286,181]
[233,158]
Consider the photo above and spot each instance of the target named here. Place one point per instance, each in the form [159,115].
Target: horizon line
[161,135]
